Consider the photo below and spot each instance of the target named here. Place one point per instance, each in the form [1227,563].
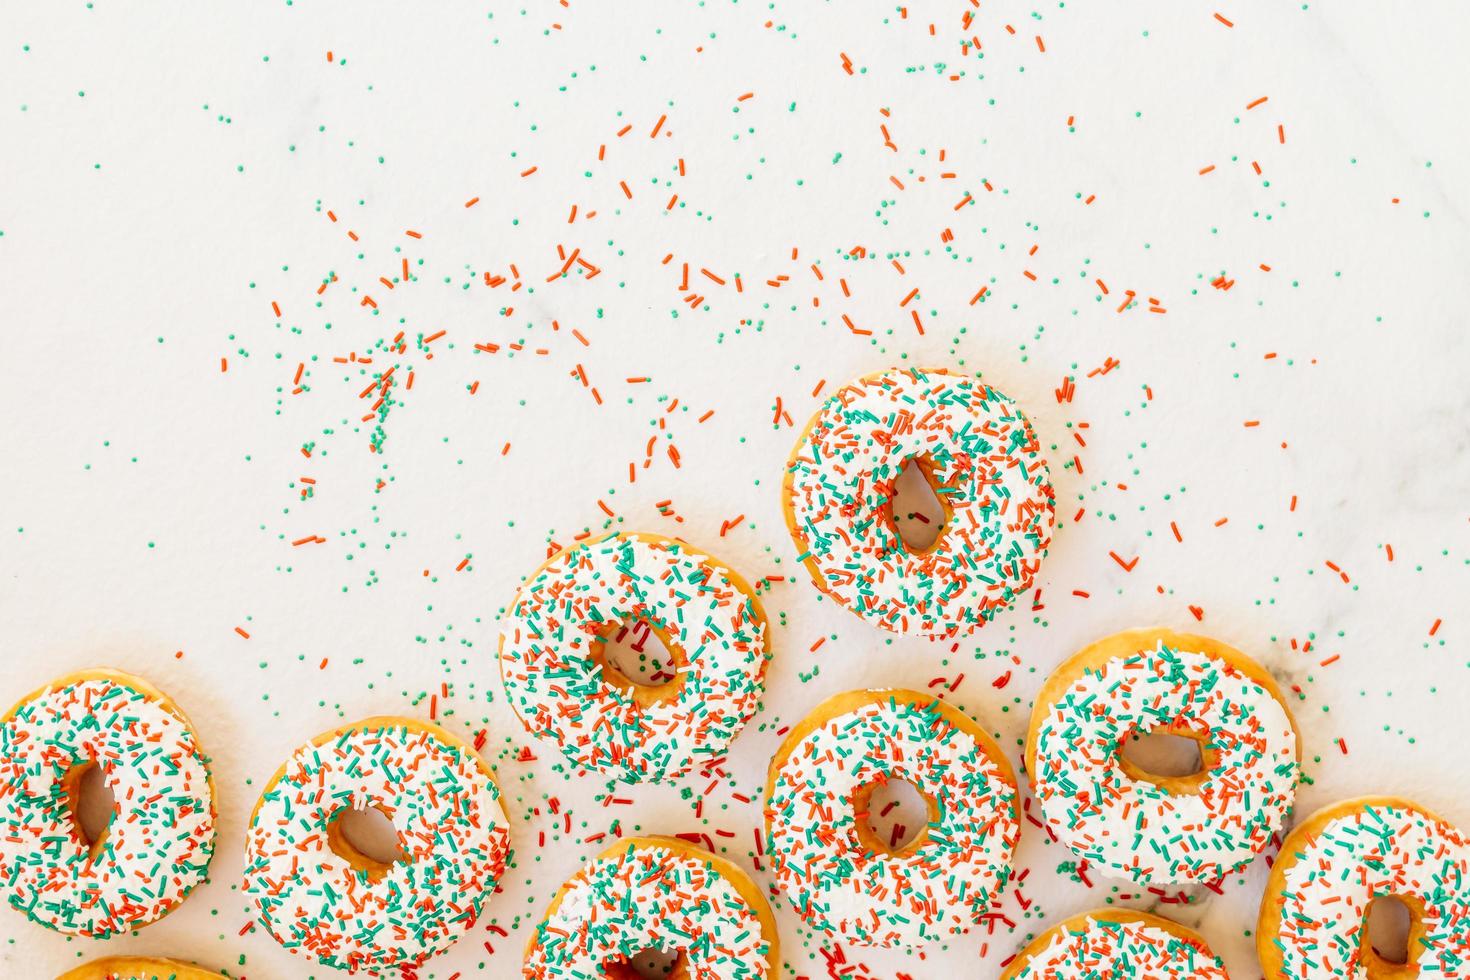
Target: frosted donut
[1331,868]
[138,968]
[552,659]
[840,878]
[318,895]
[659,893]
[1119,944]
[977,451]
[159,839]
[1153,828]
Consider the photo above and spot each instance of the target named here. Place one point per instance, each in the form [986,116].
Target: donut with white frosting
[318,895]
[138,968]
[1119,944]
[658,893]
[1341,859]
[981,457]
[160,837]
[1151,828]
[558,679]
[844,881]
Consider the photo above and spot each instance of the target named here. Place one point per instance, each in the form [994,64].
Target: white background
[165,173]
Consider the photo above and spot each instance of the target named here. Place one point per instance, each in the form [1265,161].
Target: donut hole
[916,510]
[366,839]
[637,657]
[91,803]
[1164,754]
[650,963]
[893,816]
[1386,925]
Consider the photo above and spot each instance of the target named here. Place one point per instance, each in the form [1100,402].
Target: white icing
[995,480]
[1134,950]
[645,896]
[160,838]
[560,692]
[451,828]
[1380,850]
[1134,828]
[835,883]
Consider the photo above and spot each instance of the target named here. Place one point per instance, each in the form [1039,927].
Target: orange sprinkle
[1127,566]
[242,632]
[1221,19]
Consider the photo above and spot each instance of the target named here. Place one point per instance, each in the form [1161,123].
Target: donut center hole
[1165,755]
[916,509]
[895,815]
[1388,921]
[91,802]
[366,838]
[650,963]
[633,654]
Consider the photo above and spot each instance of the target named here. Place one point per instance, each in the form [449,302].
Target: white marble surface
[166,175]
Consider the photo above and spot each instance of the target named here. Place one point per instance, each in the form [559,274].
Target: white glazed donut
[138,968]
[661,893]
[558,680]
[1163,829]
[317,895]
[979,453]
[839,877]
[1118,944]
[1331,868]
[158,843]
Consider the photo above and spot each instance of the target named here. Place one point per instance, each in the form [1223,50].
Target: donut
[320,896]
[1331,868]
[656,893]
[552,656]
[138,968]
[1156,829]
[160,837]
[978,452]
[1119,944]
[844,881]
